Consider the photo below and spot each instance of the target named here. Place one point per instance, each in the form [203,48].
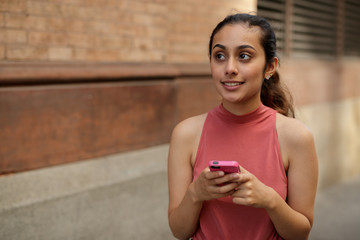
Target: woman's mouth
[231,85]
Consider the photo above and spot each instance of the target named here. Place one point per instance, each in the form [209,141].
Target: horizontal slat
[354,3]
[351,26]
[353,31]
[352,12]
[280,44]
[313,5]
[314,39]
[313,22]
[313,14]
[315,31]
[279,6]
[278,28]
[352,46]
[352,16]
[280,35]
[352,39]
[315,54]
[308,46]
[272,15]
[352,53]
[327,2]
[277,1]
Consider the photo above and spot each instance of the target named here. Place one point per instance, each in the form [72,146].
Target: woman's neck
[240,108]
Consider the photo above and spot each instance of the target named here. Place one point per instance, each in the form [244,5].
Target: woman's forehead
[238,33]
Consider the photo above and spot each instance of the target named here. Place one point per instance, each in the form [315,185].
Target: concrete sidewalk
[337,212]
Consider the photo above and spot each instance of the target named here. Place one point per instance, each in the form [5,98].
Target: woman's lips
[232,85]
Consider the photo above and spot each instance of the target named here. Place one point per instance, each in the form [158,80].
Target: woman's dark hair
[273,93]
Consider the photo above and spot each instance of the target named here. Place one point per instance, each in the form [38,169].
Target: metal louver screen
[314,27]
[352,28]
[274,12]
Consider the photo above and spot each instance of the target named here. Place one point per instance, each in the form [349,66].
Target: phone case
[225,166]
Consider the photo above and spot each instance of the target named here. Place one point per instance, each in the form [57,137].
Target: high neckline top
[254,116]
[251,140]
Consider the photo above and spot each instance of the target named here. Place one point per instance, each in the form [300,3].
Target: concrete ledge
[29,72]
[113,197]
[14,73]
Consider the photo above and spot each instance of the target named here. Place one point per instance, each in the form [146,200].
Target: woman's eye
[219,56]
[244,56]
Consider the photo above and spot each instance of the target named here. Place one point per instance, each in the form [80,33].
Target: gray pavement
[337,212]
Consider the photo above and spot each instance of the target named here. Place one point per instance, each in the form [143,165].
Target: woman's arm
[184,209]
[186,197]
[292,219]
[298,145]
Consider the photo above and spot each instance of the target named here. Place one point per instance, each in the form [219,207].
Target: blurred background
[91,89]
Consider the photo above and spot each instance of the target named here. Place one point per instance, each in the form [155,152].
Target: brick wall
[100,54]
[110,30]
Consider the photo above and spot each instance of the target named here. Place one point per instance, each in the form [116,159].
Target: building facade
[90,92]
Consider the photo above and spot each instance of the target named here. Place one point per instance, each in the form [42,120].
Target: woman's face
[238,66]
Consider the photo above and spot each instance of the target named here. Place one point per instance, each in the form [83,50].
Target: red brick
[77,26]
[26,53]
[15,20]
[99,27]
[157,8]
[112,42]
[60,53]
[156,29]
[136,6]
[43,8]
[114,4]
[2,52]
[2,20]
[12,36]
[89,13]
[80,40]
[17,6]
[47,39]
[96,55]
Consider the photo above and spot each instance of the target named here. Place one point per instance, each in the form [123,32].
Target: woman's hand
[211,185]
[252,192]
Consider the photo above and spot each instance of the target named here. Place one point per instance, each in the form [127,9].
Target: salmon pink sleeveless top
[251,140]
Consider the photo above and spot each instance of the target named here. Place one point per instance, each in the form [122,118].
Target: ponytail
[276,96]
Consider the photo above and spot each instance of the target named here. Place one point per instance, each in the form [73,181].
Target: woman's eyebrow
[239,47]
[245,46]
[220,46]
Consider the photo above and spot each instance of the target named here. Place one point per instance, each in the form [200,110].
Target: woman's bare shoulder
[185,139]
[293,132]
[190,127]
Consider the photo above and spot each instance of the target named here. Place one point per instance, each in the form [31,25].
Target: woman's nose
[231,67]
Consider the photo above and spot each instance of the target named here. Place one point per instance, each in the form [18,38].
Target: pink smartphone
[225,166]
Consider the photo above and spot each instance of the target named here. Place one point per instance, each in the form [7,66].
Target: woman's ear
[271,68]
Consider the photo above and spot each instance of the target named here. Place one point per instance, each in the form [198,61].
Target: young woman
[273,195]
